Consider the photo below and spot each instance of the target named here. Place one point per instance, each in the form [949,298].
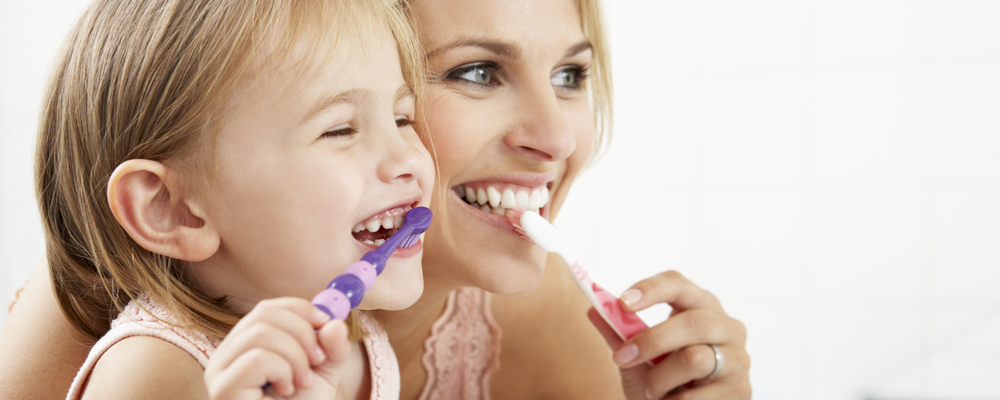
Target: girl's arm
[41,349]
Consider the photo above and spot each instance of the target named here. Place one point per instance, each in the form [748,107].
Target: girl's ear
[146,199]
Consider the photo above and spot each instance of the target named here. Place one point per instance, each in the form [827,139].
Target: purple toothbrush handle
[345,292]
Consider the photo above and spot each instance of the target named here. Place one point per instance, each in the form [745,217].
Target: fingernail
[626,354]
[631,296]
[319,354]
[320,316]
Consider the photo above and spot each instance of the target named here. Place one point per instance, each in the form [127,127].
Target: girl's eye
[479,74]
[341,130]
[570,77]
[402,120]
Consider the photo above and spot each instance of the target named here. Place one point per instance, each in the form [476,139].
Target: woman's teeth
[492,200]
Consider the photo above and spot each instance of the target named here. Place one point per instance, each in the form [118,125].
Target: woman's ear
[146,198]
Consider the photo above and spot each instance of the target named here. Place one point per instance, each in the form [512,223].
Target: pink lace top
[140,319]
[463,349]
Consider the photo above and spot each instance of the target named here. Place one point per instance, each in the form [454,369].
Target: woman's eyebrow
[503,49]
[578,48]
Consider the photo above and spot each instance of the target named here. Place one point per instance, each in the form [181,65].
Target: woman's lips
[493,217]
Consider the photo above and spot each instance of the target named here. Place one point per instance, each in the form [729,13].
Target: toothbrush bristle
[514,216]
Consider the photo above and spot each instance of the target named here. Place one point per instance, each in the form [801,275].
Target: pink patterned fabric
[140,319]
[463,349]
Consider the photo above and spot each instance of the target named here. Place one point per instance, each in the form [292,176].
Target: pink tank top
[138,320]
[463,349]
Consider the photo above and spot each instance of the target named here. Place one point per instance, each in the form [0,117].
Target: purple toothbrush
[345,292]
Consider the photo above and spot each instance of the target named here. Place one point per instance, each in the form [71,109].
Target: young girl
[199,157]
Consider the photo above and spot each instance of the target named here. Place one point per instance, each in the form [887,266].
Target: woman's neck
[409,328]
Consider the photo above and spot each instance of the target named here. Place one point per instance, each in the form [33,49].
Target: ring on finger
[720,360]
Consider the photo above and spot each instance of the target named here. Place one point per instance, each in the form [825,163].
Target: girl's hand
[277,343]
[697,320]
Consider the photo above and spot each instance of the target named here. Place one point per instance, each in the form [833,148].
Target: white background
[829,169]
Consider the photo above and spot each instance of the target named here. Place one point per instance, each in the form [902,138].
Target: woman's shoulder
[145,367]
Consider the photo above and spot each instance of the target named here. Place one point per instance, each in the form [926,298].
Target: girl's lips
[401,252]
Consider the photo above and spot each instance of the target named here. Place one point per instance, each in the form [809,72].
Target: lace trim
[381,360]
[463,349]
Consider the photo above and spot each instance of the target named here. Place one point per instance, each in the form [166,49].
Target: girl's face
[301,161]
[507,111]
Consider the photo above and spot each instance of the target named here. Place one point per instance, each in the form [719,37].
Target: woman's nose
[403,159]
[543,132]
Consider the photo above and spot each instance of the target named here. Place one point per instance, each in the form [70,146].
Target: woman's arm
[41,350]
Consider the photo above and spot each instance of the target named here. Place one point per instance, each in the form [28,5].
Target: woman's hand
[696,322]
[277,343]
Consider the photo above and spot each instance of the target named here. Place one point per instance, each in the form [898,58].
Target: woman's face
[507,111]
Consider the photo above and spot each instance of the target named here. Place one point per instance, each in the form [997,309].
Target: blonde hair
[147,79]
[599,88]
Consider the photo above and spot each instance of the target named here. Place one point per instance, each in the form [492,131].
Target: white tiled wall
[829,169]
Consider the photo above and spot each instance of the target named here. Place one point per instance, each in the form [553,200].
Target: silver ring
[720,360]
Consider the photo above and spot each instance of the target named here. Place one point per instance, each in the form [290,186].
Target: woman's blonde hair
[148,79]
[600,87]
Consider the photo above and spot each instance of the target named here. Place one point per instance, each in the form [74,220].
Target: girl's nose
[543,133]
[403,159]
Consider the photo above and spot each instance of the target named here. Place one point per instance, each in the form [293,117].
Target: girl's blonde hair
[149,79]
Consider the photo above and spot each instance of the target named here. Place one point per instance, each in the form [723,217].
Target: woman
[507,107]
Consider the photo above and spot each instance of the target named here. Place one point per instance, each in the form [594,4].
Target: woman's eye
[480,74]
[571,78]
[340,131]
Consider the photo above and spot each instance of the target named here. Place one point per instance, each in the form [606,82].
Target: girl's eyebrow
[356,96]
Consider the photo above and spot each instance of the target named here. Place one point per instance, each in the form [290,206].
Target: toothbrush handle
[625,323]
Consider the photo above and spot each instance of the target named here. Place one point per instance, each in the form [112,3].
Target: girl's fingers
[245,376]
[679,331]
[333,338]
[682,366]
[291,315]
[668,287]
[264,336]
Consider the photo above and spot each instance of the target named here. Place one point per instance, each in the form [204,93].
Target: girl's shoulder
[145,354]
[145,367]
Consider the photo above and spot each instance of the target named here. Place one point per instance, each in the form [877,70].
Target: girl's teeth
[494,196]
[470,195]
[369,242]
[373,225]
[397,220]
[499,210]
[359,228]
[481,196]
[485,208]
[521,198]
[388,223]
[545,196]
[378,242]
